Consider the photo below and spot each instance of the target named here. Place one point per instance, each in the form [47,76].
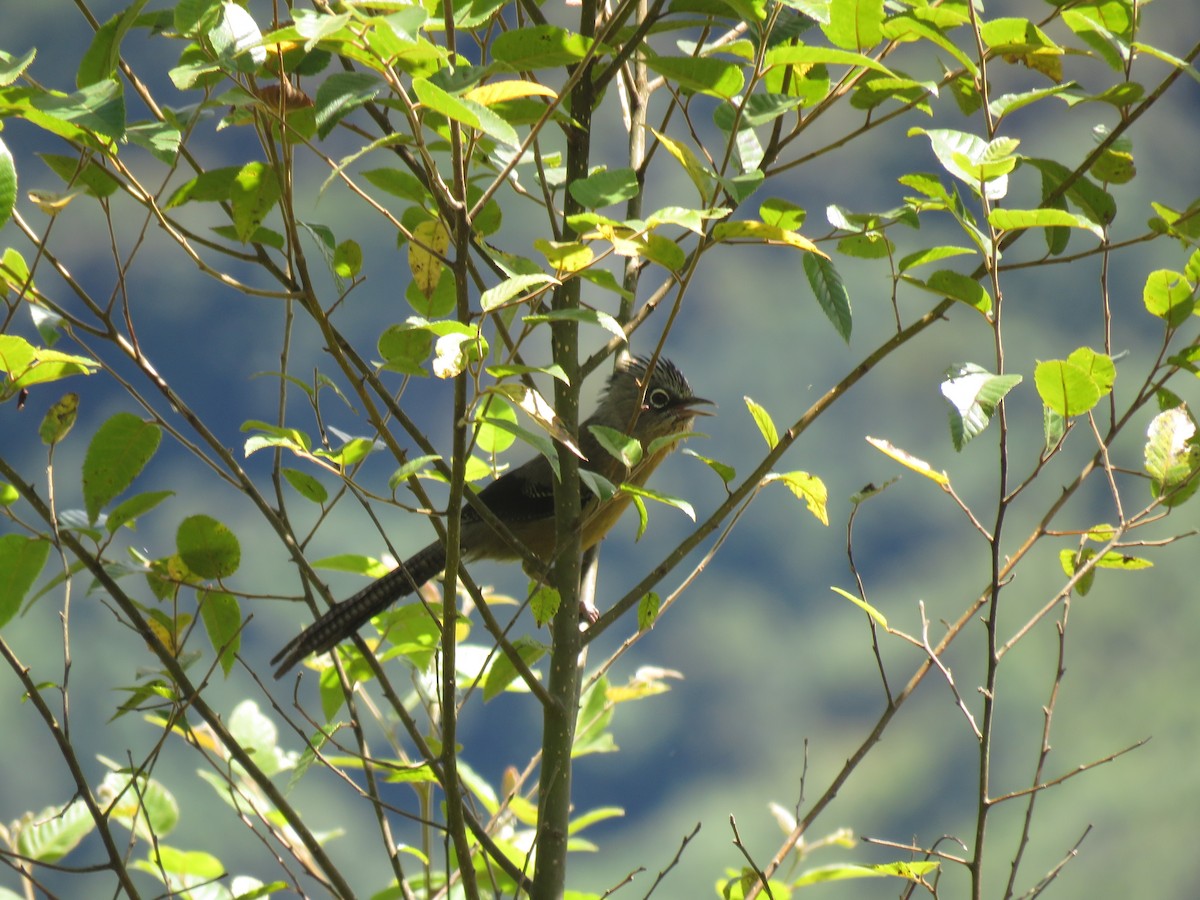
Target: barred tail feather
[345,618]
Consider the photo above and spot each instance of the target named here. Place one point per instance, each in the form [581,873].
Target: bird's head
[652,402]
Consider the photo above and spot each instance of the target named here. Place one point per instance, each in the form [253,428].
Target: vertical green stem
[558,721]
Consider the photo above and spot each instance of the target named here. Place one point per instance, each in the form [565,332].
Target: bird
[647,399]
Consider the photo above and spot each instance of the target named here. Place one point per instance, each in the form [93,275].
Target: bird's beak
[691,403]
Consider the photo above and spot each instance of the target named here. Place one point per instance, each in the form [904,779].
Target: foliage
[478,139]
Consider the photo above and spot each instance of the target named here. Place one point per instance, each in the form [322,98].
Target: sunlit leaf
[908,460]
[863,605]
[974,394]
[1065,387]
[762,419]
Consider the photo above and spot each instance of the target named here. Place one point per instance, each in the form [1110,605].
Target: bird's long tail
[344,618]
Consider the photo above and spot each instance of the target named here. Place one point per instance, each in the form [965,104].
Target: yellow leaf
[430,240]
[768,234]
[512,89]
[907,459]
[700,174]
[863,605]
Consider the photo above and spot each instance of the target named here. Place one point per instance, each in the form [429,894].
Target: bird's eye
[658,398]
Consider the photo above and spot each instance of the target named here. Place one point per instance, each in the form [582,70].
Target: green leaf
[1172,455]
[1105,28]
[354,563]
[957,286]
[647,611]
[506,370]
[21,561]
[931,255]
[701,74]
[490,438]
[805,55]
[12,68]
[1010,103]
[701,175]
[340,94]
[544,603]
[212,186]
[1099,367]
[59,419]
[782,214]
[724,471]
[405,348]
[306,485]
[830,292]
[514,286]
[129,511]
[1054,426]
[593,720]
[597,484]
[222,618]
[864,606]
[663,251]
[974,395]
[1015,219]
[762,109]
[208,547]
[275,436]
[913,26]
[762,419]
[620,445]
[399,183]
[347,259]
[539,47]
[583,315]
[539,442]
[160,139]
[808,488]
[1114,560]
[1065,387]
[1019,40]
[28,365]
[910,871]
[350,453]
[503,672]
[854,24]
[119,450]
[1073,561]
[1097,204]
[195,865]
[647,494]
[98,109]
[8,183]
[257,734]
[51,833]
[265,236]
[104,52]
[605,188]
[565,256]
[1116,163]
[409,469]
[866,245]
[966,157]
[467,112]
[1169,296]
[1180,64]
[253,192]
